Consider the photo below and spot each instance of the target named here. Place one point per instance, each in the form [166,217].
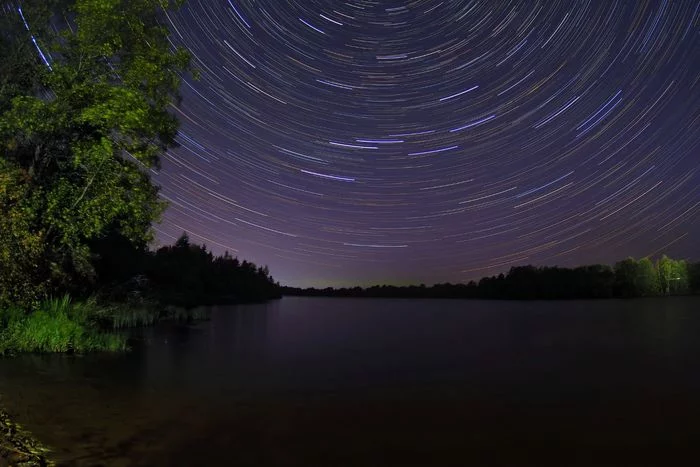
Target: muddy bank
[18,447]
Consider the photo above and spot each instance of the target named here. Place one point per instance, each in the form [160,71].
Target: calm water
[331,382]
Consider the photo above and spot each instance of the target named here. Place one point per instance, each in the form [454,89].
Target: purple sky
[361,142]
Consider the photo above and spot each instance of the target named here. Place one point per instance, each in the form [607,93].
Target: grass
[182,315]
[58,325]
[120,316]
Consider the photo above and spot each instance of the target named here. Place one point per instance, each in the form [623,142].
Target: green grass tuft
[58,325]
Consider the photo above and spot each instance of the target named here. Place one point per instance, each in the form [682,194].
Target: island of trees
[626,279]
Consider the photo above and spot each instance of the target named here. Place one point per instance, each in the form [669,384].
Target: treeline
[626,279]
[182,274]
[131,286]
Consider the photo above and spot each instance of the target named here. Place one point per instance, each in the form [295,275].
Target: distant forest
[182,274]
[626,279]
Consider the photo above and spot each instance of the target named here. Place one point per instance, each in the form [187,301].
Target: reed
[123,316]
[185,315]
[58,325]
[61,325]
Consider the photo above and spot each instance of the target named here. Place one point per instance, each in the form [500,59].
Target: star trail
[362,142]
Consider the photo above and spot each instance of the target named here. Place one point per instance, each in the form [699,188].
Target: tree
[694,277]
[187,275]
[20,247]
[647,279]
[665,269]
[626,278]
[83,115]
[680,277]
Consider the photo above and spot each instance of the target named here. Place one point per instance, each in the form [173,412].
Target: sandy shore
[17,447]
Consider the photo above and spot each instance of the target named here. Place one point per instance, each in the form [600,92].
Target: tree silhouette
[629,278]
[182,274]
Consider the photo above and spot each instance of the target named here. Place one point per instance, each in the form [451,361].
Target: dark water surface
[333,382]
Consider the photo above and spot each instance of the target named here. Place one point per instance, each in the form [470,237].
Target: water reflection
[282,379]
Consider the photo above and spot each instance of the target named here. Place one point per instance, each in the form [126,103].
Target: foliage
[673,275]
[21,246]
[636,278]
[647,278]
[83,114]
[664,268]
[85,91]
[58,325]
[149,287]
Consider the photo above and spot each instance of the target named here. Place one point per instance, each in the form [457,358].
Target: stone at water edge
[17,447]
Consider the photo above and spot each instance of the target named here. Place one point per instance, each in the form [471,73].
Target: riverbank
[57,325]
[18,447]
[63,326]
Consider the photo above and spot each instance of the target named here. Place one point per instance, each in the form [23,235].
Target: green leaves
[673,275]
[644,279]
[75,140]
[21,245]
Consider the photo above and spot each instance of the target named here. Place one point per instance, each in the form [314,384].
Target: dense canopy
[85,91]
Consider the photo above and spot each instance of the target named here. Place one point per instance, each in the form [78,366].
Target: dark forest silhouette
[182,274]
[627,279]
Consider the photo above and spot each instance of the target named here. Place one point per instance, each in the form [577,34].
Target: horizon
[428,145]
[653,259]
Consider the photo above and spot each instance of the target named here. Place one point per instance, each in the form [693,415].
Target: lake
[374,382]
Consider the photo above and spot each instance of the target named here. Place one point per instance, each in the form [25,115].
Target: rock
[18,448]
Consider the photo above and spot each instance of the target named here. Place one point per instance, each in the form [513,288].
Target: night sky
[361,142]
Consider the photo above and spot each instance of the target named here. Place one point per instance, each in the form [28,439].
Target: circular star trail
[360,142]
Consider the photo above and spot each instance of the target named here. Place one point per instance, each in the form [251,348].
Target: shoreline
[18,447]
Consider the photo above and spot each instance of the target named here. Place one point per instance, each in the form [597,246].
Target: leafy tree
[21,248]
[647,279]
[680,277]
[665,269]
[83,114]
